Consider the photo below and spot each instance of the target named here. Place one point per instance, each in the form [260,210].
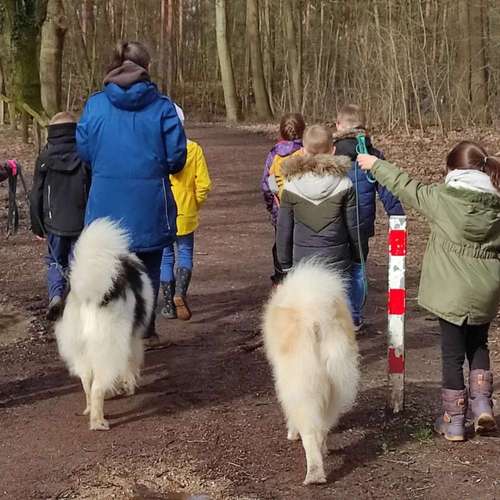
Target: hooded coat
[191,187]
[460,279]
[133,140]
[317,215]
[61,184]
[345,145]
[269,187]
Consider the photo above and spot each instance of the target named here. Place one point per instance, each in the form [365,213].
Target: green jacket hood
[477,215]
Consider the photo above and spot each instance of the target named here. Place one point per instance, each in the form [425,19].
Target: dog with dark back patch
[310,343]
[108,308]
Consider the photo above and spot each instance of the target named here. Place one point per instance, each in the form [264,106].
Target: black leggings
[458,342]
[278,275]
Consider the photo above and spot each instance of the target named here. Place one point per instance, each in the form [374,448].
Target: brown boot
[451,424]
[481,405]
[182,280]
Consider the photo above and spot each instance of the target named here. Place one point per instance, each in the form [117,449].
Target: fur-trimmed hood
[316,177]
[319,165]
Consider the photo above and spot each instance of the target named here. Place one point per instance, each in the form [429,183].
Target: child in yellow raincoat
[190,188]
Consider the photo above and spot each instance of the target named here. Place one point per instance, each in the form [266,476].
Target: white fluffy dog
[107,311]
[310,342]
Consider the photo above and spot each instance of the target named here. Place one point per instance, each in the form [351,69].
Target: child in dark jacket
[292,127]
[60,188]
[317,215]
[350,124]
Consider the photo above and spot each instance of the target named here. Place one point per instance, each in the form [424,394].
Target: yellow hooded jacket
[190,187]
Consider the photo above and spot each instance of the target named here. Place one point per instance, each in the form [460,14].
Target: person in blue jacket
[350,124]
[132,138]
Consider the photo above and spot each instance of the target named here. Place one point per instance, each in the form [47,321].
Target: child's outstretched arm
[392,205]
[202,178]
[284,234]
[421,197]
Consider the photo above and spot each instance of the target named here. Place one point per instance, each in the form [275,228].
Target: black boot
[168,289]
[182,280]
[151,338]
[55,309]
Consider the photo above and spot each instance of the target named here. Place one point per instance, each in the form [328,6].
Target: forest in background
[409,63]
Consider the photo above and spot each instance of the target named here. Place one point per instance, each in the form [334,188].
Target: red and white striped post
[396,313]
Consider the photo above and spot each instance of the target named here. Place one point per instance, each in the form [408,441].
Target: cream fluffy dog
[107,311]
[310,342]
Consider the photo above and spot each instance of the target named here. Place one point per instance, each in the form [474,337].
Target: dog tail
[311,289]
[308,314]
[96,259]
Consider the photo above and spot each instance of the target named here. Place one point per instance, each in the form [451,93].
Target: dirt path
[206,420]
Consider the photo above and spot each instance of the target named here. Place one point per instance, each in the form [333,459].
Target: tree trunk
[169,35]
[226,66]
[478,62]
[259,86]
[180,54]
[162,49]
[166,63]
[269,48]
[88,21]
[23,20]
[471,76]
[51,54]
[294,56]
[462,61]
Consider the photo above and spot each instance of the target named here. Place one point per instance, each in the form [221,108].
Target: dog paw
[293,436]
[86,411]
[315,475]
[318,478]
[99,425]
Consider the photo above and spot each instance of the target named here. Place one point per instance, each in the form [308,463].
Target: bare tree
[408,63]
[23,23]
[226,65]
[259,85]
[51,56]
[294,59]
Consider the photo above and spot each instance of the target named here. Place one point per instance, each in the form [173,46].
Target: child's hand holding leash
[366,161]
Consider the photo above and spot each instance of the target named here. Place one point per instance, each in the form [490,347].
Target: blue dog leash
[361,149]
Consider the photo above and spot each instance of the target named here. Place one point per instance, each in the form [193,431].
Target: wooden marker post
[396,313]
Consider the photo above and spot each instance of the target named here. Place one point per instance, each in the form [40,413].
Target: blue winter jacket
[345,144]
[132,139]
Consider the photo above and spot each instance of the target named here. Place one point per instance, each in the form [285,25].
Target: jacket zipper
[48,202]
[166,203]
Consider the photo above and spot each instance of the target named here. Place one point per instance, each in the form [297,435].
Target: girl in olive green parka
[460,280]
